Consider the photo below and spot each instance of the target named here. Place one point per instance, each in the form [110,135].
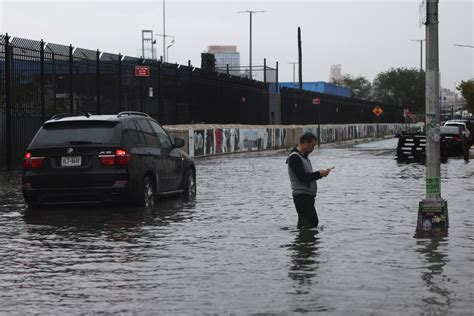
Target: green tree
[467,91]
[401,86]
[361,87]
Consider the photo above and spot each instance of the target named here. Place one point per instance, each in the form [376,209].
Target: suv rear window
[75,133]
[450,130]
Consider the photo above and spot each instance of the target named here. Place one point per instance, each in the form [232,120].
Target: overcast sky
[365,37]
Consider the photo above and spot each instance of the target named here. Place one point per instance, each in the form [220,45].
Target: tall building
[226,55]
[335,72]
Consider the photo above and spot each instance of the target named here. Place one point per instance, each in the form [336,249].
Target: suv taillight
[457,138]
[31,162]
[120,158]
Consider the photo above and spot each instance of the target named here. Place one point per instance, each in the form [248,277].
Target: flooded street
[235,247]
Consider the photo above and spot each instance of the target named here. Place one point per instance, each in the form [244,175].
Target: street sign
[406,113]
[317,101]
[142,71]
[377,111]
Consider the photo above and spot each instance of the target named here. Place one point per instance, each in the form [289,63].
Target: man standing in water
[303,181]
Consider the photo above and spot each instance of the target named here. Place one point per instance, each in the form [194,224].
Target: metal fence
[297,107]
[262,73]
[39,79]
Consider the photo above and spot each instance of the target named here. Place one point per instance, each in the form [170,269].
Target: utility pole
[300,61]
[433,210]
[293,63]
[421,53]
[164,32]
[250,12]
[454,102]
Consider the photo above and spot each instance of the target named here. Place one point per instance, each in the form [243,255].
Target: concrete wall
[205,139]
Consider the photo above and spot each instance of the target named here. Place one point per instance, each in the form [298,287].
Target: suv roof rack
[63,115]
[130,113]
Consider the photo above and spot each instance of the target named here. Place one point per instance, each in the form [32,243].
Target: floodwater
[235,249]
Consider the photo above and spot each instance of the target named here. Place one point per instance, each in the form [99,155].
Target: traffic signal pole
[433,210]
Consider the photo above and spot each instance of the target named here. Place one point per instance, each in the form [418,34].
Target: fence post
[276,78]
[8,109]
[190,114]
[71,74]
[43,100]
[97,80]
[159,91]
[176,110]
[119,82]
[264,70]
[142,107]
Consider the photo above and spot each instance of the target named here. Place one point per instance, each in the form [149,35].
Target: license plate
[71,161]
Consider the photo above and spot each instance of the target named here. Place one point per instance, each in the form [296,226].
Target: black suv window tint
[162,136]
[131,135]
[150,136]
[75,133]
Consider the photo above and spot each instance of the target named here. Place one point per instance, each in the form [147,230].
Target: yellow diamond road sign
[377,111]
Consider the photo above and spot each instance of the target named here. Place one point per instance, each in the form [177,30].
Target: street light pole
[167,47]
[250,12]
[164,31]
[421,53]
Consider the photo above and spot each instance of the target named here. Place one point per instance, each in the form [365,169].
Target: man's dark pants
[307,216]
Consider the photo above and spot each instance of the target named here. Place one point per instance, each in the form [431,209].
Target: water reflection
[432,275]
[118,223]
[304,259]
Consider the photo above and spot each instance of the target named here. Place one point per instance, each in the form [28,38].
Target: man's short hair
[307,138]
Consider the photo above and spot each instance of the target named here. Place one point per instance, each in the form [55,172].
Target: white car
[462,124]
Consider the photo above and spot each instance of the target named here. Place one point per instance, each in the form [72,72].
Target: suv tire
[146,195]
[190,184]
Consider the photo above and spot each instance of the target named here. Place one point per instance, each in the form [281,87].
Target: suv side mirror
[178,142]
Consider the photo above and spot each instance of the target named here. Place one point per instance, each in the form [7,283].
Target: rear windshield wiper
[82,142]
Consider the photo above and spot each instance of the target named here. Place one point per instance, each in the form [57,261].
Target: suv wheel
[190,184]
[147,196]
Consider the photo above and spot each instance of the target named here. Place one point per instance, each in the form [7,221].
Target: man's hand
[324,172]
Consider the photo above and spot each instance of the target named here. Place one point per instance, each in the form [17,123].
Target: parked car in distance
[465,126]
[453,138]
[105,158]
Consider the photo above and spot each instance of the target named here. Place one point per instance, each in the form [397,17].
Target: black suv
[105,158]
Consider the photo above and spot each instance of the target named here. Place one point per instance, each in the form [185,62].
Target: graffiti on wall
[196,142]
[227,140]
[211,141]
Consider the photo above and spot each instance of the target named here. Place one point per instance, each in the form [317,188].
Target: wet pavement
[235,249]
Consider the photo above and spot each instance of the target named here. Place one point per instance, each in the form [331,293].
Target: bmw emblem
[69,151]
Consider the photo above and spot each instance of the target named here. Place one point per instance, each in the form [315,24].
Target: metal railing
[39,79]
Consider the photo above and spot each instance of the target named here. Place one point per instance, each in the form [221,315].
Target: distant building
[335,72]
[449,99]
[226,55]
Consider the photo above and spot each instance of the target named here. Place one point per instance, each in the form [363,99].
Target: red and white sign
[317,101]
[407,113]
[142,71]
